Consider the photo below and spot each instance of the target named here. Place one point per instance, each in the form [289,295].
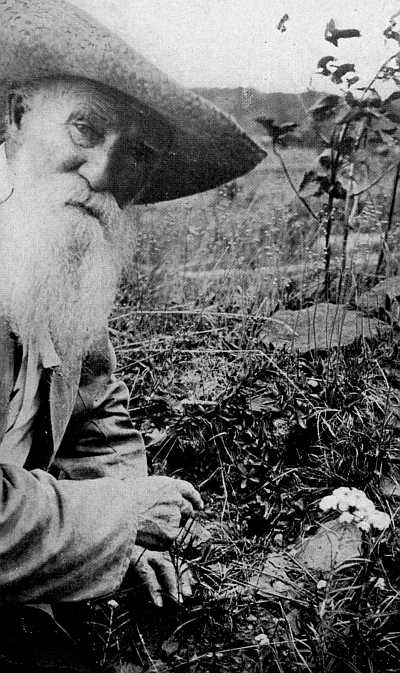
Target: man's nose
[97,169]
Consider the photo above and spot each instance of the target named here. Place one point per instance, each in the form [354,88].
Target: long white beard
[59,266]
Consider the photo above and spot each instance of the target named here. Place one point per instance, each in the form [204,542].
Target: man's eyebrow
[92,115]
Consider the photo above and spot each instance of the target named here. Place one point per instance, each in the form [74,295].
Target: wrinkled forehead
[109,106]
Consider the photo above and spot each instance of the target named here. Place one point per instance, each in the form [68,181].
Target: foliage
[361,123]
[266,434]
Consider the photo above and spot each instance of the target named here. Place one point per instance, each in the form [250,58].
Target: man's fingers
[185,580]
[186,510]
[167,577]
[189,493]
[150,582]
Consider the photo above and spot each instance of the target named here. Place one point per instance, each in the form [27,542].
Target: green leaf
[352,81]
[309,178]
[333,34]
[341,71]
[282,23]
[266,122]
[325,159]
[286,128]
[170,646]
[351,100]
[324,107]
[323,63]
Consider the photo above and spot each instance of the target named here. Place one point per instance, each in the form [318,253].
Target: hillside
[247,104]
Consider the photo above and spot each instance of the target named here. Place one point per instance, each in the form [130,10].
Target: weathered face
[83,129]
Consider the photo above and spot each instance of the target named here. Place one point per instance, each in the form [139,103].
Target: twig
[383,65]
[293,186]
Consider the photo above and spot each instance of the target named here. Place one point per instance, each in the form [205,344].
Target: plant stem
[293,186]
[348,211]
[328,229]
[381,261]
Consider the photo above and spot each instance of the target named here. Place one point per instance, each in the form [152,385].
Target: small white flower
[112,603]
[358,493]
[262,639]
[321,584]
[366,508]
[328,502]
[380,583]
[355,507]
[343,505]
[342,492]
[364,525]
[380,520]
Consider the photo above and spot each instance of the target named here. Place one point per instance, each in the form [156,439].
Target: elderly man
[90,127]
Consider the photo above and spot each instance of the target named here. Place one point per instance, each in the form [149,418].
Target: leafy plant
[355,125]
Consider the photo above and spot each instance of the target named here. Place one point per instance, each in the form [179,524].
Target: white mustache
[101,206]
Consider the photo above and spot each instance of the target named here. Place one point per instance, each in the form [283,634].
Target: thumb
[187,510]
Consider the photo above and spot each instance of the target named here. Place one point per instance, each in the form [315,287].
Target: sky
[230,43]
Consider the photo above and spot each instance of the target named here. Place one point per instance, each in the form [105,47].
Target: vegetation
[267,432]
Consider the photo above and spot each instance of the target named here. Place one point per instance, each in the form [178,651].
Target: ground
[264,432]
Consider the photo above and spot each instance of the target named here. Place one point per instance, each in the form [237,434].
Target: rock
[273,579]
[383,298]
[319,327]
[334,544]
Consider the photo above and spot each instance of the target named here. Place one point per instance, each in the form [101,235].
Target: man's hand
[159,576]
[163,505]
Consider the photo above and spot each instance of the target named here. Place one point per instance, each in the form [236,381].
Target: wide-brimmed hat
[203,147]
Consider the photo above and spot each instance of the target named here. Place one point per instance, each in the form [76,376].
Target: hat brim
[203,146]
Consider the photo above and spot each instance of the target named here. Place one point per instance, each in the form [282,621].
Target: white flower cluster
[356,508]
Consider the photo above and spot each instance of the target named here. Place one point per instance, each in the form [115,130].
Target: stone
[383,298]
[319,328]
[333,545]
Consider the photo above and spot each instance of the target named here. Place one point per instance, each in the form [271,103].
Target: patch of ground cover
[266,434]
[263,432]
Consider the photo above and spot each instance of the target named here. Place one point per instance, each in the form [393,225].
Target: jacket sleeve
[100,439]
[63,540]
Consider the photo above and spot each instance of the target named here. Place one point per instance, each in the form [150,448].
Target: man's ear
[16,108]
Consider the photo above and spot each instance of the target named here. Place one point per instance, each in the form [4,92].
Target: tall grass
[264,433]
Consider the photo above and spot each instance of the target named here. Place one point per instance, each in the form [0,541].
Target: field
[264,432]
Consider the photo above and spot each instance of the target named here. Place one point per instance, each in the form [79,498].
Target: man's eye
[138,151]
[83,134]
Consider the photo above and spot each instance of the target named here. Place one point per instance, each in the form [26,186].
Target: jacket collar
[63,392]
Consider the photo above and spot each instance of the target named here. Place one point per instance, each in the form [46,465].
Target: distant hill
[247,104]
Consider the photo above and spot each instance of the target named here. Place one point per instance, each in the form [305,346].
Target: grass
[265,433]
